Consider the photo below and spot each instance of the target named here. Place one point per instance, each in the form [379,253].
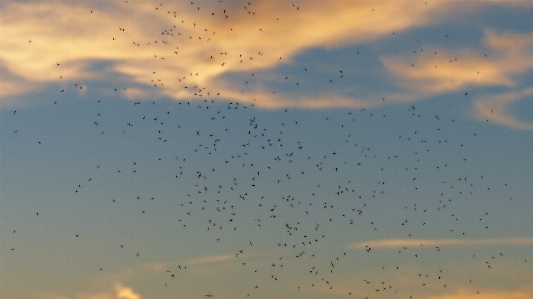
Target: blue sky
[266,149]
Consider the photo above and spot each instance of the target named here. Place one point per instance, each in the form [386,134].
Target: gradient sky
[266,149]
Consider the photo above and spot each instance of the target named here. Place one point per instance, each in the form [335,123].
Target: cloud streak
[119,291]
[463,294]
[210,259]
[443,71]
[395,243]
[495,108]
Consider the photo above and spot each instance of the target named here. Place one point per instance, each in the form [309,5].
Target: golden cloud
[434,74]
[395,243]
[119,292]
[171,46]
[495,108]
[443,71]
[210,259]
[463,294]
[513,51]
[124,292]
[440,70]
[188,52]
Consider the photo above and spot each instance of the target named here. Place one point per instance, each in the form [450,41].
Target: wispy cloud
[446,71]
[394,243]
[210,259]
[119,291]
[443,71]
[495,108]
[463,294]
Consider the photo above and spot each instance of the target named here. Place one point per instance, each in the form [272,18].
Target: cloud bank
[236,52]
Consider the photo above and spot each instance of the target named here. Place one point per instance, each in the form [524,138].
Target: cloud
[210,259]
[135,93]
[435,74]
[185,53]
[463,294]
[124,292]
[394,243]
[495,108]
[444,71]
[171,47]
[513,51]
[120,291]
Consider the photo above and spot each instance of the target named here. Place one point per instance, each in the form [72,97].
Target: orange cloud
[124,292]
[513,51]
[210,259]
[442,70]
[171,47]
[463,294]
[184,53]
[434,74]
[495,108]
[119,292]
[394,243]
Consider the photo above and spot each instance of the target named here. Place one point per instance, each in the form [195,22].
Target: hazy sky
[266,149]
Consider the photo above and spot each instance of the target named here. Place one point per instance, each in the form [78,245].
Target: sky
[266,149]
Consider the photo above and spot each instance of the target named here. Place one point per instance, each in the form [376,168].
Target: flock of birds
[260,181]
